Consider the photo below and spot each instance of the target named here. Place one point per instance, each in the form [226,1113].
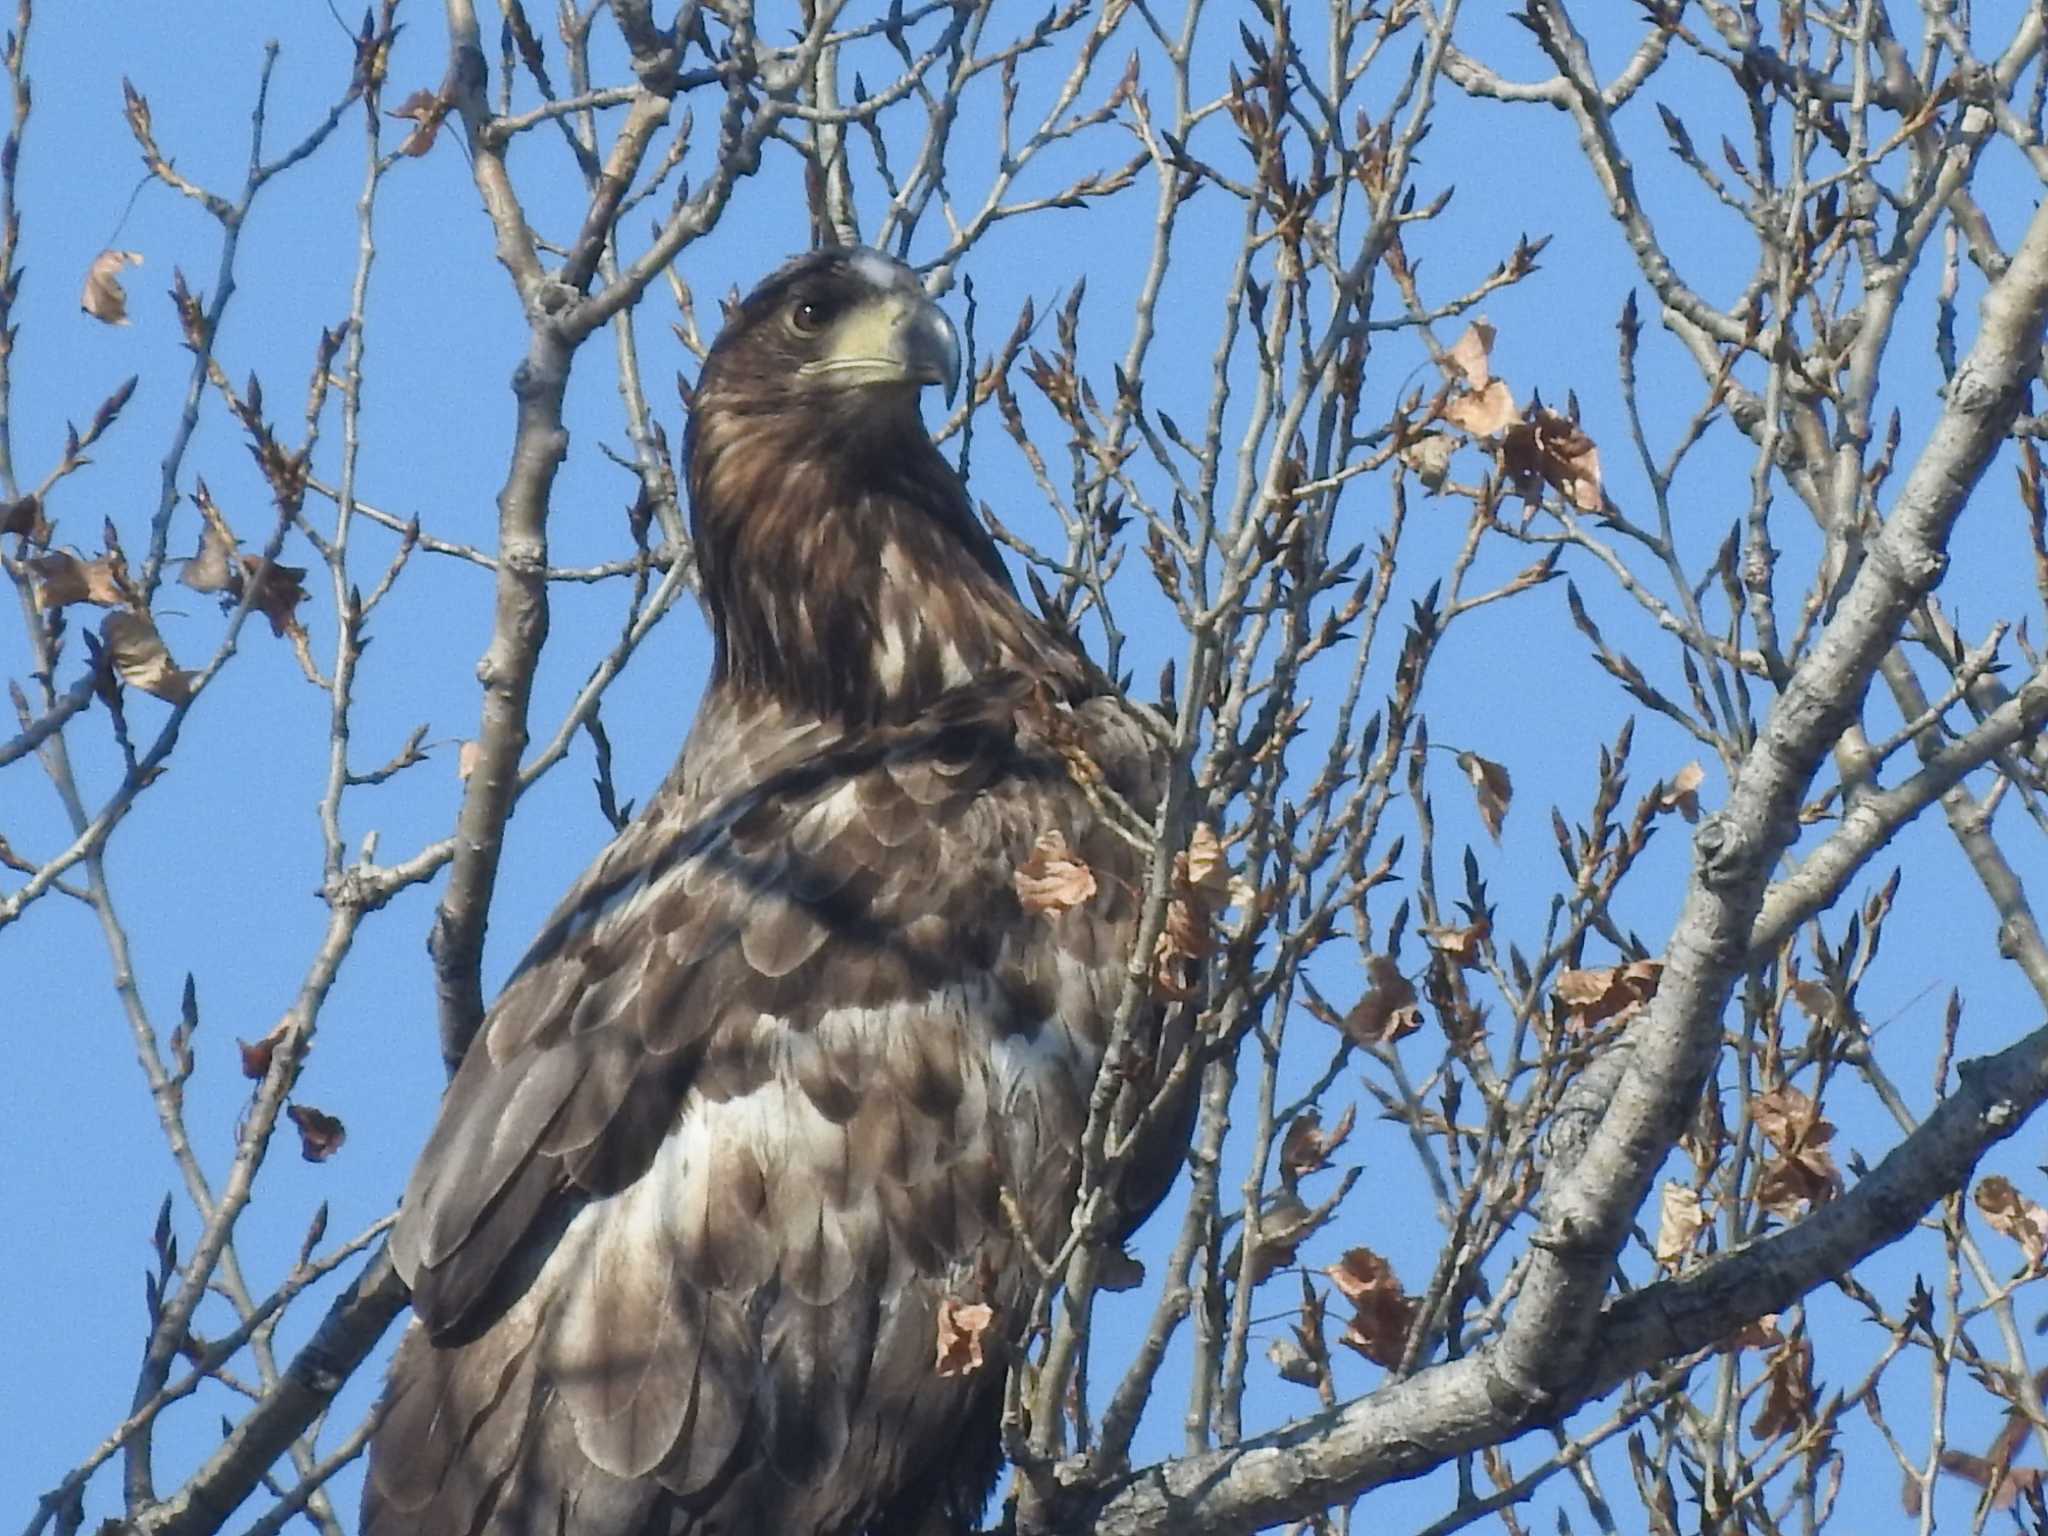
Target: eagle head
[844,329]
[844,568]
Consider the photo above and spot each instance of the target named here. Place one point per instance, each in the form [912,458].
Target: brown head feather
[800,464]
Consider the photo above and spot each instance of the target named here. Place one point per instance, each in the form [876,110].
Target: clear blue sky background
[216,874]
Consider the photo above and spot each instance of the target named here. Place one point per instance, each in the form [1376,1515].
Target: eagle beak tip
[946,347]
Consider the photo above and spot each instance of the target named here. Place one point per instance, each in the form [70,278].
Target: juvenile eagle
[745,1115]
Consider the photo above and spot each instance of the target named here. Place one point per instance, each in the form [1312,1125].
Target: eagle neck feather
[846,575]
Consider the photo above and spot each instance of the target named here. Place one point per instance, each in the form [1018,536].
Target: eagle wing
[746,1114]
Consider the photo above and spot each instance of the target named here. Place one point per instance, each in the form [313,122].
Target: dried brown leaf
[1682,793]
[1382,1313]
[1817,1002]
[103,297]
[427,109]
[1680,1221]
[2011,1481]
[1387,1012]
[320,1134]
[1472,353]
[1184,938]
[25,517]
[1306,1147]
[1429,455]
[1286,1221]
[1463,947]
[1549,449]
[1054,879]
[1788,1397]
[1599,993]
[1707,1136]
[961,1327]
[1202,868]
[1203,885]
[1495,789]
[64,577]
[279,589]
[214,567]
[1803,1171]
[141,657]
[256,1057]
[1484,411]
[2013,1214]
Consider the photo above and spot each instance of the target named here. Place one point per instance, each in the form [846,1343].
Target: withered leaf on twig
[1682,792]
[1486,405]
[1285,1222]
[1757,1333]
[1387,1012]
[320,1134]
[2011,1481]
[1429,455]
[1818,1003]
[2012,1213]
[1486,410]
[64,577]
[1204,870]
[219,565]
[1993,1471]
[1472,353]
[1382,1313]
[1203,885]
[1706,1137]
[1054,879]
[279,589]
[103,297]
[215,567]
[1680,1221]
[141,657]
[1495,789]
[961,1326]
[1803,1171]
[1463,947]
[1306,1147]
[25,517]
[256,1055]
[427,109]
[1549,449]
[1599,993]
[1183,939]
[1788,1399]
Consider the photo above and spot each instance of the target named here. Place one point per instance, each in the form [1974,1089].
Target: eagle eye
[806,317]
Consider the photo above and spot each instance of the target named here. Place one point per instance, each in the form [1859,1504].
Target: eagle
[793,1068]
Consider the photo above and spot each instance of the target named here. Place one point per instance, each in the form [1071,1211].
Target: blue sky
[216,873]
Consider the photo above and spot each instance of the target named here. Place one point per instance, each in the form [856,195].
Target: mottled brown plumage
[745,1114]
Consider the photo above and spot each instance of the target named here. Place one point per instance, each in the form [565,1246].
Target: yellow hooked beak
[898,337]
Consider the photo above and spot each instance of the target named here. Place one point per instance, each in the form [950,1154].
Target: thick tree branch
[346,1336]
[1409,1426]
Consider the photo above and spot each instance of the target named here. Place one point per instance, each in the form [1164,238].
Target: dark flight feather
[746,1113]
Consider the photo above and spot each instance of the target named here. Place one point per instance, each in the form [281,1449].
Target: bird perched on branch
[805,1058]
